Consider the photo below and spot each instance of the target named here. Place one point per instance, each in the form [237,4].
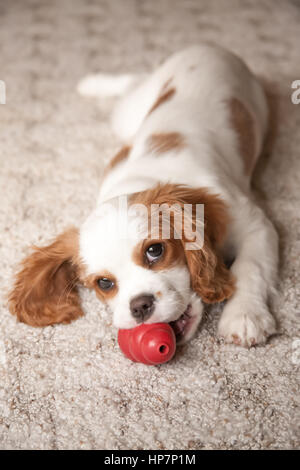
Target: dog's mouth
[182,326]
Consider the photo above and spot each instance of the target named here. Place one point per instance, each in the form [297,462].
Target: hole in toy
[163,349]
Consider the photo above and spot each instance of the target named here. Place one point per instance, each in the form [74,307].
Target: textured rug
[69,387]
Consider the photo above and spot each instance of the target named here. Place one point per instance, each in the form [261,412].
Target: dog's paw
[246,328]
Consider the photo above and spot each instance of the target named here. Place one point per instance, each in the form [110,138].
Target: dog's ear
[45,290]
[210,278]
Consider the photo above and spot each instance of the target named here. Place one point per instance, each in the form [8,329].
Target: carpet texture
[69,387]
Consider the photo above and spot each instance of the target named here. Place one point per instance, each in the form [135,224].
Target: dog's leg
[246,319]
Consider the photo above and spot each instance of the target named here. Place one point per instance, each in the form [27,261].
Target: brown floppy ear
[45,290]
[210,278]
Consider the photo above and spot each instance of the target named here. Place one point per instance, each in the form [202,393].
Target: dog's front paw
[245,327]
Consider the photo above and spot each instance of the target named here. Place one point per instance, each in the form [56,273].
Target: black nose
[142,307]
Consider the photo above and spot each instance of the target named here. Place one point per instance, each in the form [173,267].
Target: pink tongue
[180,324]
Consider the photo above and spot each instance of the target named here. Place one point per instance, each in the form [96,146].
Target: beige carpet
[69,387]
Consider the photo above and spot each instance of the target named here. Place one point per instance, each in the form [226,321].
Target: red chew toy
[150,344]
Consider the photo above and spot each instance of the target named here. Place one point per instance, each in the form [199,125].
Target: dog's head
[124,253]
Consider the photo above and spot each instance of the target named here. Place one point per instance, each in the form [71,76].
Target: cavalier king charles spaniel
[192,132]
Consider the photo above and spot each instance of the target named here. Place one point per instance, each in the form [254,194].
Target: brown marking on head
[164,142]
[91,281]
[210,278]
[118,158]
[165,94]
[45,290]
[243,124]
[172,255]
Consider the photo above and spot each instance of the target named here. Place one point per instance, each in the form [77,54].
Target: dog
[192,131]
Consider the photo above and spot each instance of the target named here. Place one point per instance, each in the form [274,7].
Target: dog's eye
[154,252]
[105,284]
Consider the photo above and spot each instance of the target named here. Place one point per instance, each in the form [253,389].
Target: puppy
[192,132]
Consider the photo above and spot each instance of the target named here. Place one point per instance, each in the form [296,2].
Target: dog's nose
[142,307]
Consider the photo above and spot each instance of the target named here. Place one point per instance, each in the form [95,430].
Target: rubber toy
[150,344]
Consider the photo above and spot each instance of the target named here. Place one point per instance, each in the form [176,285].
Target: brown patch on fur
[271,94]
[164,142]
[243,124]
[45,290]
[118,158]
[166,85]
[158,294]
[210,278]
[91,282]
[165,94]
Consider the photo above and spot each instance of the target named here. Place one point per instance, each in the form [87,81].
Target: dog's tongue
[180,324]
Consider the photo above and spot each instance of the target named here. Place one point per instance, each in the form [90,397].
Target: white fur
[205,78]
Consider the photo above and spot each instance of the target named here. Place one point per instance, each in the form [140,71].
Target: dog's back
[202,111]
